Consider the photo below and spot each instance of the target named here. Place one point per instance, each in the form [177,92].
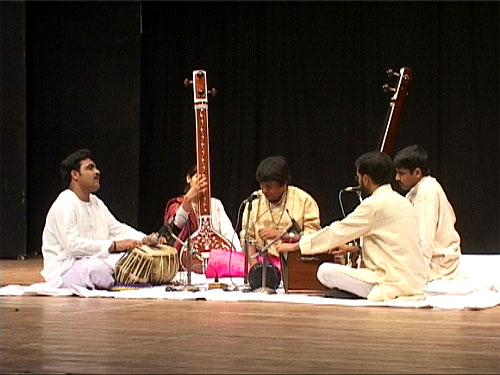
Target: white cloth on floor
[478,287]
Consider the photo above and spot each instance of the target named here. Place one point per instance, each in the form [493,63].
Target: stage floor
[107,335]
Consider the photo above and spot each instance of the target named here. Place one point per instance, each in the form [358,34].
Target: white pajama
[330,277]
[91,273]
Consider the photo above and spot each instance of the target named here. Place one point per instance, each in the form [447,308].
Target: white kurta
[436,223]
[77,229]
[393,259]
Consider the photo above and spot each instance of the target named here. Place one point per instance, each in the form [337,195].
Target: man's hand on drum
[154,239]
[125,245]
[344,249]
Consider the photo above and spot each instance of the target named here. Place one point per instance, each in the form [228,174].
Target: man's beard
[364,190]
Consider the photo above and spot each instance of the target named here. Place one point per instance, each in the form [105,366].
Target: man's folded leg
[340,284]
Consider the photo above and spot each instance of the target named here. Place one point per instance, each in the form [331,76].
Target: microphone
[216,284]
[295,226]
[355,189]
[164,230]
[167,232]
[251,197]
[155,238]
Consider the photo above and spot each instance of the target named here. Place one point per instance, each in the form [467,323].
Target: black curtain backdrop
[12,130]
[83,88]
[300,79]
[305,80]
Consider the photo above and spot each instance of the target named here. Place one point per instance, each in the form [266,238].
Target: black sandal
[342,294]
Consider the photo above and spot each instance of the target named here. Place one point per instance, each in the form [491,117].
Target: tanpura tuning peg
[391,73]
[212,92]
[187,82]
[388,88]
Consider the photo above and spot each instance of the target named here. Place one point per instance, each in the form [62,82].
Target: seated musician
[394,266]
[272,212]
[436,218]
[181,212]
[80,232]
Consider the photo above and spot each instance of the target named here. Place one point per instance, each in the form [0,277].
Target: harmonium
[300,271]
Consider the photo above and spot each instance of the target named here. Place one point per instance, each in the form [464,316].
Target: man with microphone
[394,266]
[272,211]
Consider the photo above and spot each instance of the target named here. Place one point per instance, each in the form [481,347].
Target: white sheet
[477,287]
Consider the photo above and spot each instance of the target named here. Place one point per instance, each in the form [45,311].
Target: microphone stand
[190,264]
[356,242]
[264,253]
[187,244]
[245,249]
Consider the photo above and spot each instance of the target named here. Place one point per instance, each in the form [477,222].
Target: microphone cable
[340,202]
[232,246]
[340,199]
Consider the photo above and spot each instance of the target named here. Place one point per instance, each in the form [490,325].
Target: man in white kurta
[436,218]
[75,229]
[394,266]
[80,232]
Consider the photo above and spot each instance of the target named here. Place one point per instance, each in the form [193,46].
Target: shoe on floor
[338,293]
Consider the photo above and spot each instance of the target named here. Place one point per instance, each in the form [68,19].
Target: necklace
[282,200]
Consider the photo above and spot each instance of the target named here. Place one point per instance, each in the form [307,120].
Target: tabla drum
[273,276]
[148,265]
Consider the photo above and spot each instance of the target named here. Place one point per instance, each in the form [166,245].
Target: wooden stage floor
[105,335]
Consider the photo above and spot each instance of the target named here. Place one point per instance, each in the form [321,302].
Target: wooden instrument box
[299,272]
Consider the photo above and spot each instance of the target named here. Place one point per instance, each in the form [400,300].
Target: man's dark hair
[274,168]
[72,163]
[411,158]
[377,165]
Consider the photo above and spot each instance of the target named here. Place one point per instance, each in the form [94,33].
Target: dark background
[301,79]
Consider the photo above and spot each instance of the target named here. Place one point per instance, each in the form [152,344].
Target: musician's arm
[125,245]
[222,222]
[198,185]
[355,225]
[344,249]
